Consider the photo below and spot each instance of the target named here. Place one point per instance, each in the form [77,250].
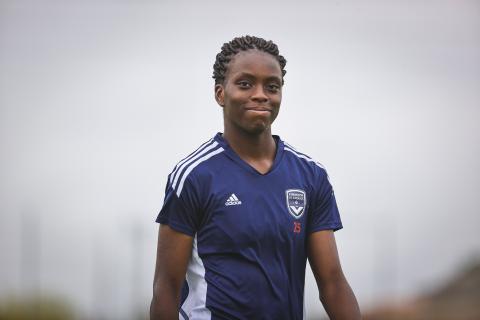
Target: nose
[259,95]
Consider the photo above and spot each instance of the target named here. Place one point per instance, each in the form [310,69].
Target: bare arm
[173,252]
[336,295]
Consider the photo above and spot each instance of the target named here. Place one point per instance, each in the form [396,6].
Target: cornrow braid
[230,49]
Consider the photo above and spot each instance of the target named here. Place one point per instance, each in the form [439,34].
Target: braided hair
[230,49]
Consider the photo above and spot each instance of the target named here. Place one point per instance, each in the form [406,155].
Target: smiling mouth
[259,109]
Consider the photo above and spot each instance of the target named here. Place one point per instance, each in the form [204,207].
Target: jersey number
[297,227]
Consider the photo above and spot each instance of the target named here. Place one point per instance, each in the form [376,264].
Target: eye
[273,87]
[244,84]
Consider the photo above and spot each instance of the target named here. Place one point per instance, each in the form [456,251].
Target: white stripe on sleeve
[187,158]
[183,166]
[193,165]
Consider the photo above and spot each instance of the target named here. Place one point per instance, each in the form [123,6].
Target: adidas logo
[233,201]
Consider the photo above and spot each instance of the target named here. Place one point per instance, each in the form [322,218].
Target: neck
[251,146]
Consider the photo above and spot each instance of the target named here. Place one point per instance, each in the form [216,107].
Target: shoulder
[189,168]
[304,160]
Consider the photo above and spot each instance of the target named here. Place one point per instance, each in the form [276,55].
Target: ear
[220,94]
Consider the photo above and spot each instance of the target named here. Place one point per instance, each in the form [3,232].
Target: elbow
[165,300]
[331,285]
[155,303]
[157,291]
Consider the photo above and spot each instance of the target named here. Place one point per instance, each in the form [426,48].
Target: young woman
[244,211]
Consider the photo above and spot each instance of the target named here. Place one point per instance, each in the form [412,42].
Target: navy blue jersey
[249,229]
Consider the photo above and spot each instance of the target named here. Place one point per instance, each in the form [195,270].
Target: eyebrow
[249,75]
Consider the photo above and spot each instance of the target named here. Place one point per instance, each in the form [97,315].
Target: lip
[258,109]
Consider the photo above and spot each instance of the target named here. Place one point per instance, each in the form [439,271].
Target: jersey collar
[234,156]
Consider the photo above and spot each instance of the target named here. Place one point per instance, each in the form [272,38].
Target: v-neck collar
[235,157]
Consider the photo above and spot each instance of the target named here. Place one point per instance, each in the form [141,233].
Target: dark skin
[250,97]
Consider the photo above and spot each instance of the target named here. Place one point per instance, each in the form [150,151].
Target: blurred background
[100,99]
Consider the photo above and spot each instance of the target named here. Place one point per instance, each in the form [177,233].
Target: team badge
[296,202]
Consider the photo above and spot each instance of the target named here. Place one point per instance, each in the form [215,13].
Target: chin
[257,128]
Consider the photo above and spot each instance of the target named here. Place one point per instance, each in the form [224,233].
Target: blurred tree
[457,299]
[35,308]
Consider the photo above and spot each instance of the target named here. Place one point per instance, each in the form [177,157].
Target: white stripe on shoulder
[187,163]
[288,145]
[193,165]
[296,150]
[289,148]
[174,172]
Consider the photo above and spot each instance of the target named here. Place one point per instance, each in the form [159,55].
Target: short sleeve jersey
[250,230]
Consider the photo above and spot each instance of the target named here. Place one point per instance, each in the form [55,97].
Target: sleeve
[323,213]
[181,212]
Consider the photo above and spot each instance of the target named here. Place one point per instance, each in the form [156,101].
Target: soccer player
[244,211]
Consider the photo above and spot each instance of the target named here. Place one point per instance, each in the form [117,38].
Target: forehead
[254,62]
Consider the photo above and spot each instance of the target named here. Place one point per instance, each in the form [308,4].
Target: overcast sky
[100,99]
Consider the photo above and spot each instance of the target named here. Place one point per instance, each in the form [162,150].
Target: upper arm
[323,257]
[173,253]
[178,218]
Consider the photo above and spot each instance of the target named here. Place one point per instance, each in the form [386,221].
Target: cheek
[238,95]
[233,106]
[277,100]
[236,101]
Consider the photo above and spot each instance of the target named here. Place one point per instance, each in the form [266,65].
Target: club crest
[296,202]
